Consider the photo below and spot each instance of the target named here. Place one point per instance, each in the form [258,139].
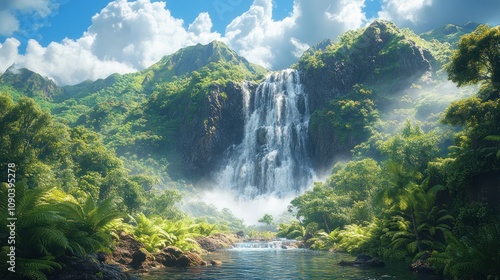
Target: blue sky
[74,40]
[73,17]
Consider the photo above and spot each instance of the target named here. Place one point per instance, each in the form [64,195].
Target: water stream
[287,264]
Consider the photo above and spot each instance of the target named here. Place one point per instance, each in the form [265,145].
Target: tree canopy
[477,58]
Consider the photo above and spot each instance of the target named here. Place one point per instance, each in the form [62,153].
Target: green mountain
[193,58]
[170,68]
[366,69]
[167,110]
[29,83]
[449,33]
[187,108]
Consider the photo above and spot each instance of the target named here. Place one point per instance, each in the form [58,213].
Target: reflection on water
[283,264]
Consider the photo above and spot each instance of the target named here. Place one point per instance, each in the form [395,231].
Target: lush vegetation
[95,159]
[416,193]
[73,195]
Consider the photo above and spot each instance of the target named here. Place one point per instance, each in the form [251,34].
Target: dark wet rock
[174,251]
[261,136]
[422,265]
[190,259]
[88,268]
[216,242]
[165,258]
[124,250]
[215,262]
[363,260]
[172,256]
[142,259]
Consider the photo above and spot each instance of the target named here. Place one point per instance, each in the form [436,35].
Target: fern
[36,269]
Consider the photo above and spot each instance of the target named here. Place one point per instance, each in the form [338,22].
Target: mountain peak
[189,59]
[450,33]
[25,80]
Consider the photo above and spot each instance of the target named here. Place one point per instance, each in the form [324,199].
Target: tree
[266,219]
[477,58]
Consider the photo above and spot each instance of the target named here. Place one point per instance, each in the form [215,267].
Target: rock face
[216,127]
[130,254]
[379,56]
[124,251]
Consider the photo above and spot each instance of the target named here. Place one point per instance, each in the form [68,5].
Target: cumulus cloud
[8,53]
[141,32]
[124,37]
[277,44]
[423,15]
[127,36]
[32,8]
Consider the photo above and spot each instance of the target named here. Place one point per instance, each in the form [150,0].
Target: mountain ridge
[193,98]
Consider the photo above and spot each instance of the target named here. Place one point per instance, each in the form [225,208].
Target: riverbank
[222,257]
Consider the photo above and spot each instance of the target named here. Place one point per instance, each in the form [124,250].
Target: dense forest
[414,177]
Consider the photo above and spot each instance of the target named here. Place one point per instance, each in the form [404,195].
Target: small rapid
[266,245]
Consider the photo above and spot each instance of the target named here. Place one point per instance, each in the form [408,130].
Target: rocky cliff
[381,57]
[214,129]
[187,109]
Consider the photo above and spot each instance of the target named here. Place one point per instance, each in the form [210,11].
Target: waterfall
[273,156]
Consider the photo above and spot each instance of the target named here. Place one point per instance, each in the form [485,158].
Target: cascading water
[275,244]
[273,156]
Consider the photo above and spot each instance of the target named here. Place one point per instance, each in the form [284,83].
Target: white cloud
[129,36]
[31,8]
[141,32]
[8,53]
[423,15]
[124,37]
[277,44]
[403,10]
[8,23]
[70,62]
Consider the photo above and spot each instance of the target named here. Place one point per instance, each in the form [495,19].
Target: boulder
[190,259]
[215,262]
[168,256]
[88,268]
[124,250]
[165,259]
[174,251]
[142,259]
[172,256]
[216,242]
[422,265]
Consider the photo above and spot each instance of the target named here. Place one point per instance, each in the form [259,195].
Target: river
[283,264]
